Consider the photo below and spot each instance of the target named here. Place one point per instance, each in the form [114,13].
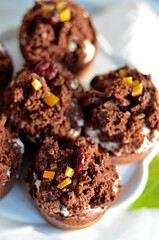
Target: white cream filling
[95,210]
[72,46]
[114,147]
[8,173]
[63,211]
[147,144]
[80,123]
[74,83]
[37,182]
[74,133]
[44,35]
[116,183]
[18,142]
[89,50]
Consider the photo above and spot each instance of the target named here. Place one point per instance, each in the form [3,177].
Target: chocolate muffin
[43,101]
[122,114]
[6,68]
[72,183]
[60,30]
[11,150]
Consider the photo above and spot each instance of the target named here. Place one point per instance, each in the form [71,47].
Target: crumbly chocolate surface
[5,67]
[91,189]
[10,158]
[64,42]
[112,113]
[32,117]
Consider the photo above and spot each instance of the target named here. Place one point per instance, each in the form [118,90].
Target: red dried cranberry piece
[80,160]
[47,69]
[53,17]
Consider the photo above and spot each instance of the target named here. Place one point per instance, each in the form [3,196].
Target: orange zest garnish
[69,172]
[51,99]
[46,9]
[141,116]
[36,84]
[60,6]
[137,90]
[53,166]
[65,15]
[123,72]
[64,183]
[128,81]
[49,174]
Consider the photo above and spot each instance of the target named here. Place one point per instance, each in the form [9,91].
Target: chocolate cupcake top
[43,101]
[122,111]
[11,151]
[60,30]
[6,67]
[73,178]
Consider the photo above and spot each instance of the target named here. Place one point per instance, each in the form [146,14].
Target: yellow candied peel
[128,81]
[51,99]
[123,72]
[49,174]
[53,166]
[65,15]
[46,8]
[64,183]
[69,171]
[60,6]
[141,116]
[137,90]
[36,84]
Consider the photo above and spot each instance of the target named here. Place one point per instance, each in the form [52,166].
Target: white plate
[17,211]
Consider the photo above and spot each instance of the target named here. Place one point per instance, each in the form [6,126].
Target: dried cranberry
[53,17]
[80,160]
[47,69]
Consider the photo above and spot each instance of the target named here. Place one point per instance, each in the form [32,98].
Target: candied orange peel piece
[137,90]
[36,84]
[135,83]
[60,6]
[128,81]
[51,99]
[46,8]
[69,171]
[53,166]
[123,72]
[65,15]
[64,183]
[49,174]
[141,116]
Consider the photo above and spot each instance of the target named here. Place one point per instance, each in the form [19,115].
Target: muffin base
[129,158]
[9,184]
[71,223]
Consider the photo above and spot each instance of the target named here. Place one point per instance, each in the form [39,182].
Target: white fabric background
[132,31]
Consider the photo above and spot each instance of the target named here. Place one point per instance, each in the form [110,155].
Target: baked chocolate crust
[91,193]
[120,123]
[10,159]
[64,42]
[32,117]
